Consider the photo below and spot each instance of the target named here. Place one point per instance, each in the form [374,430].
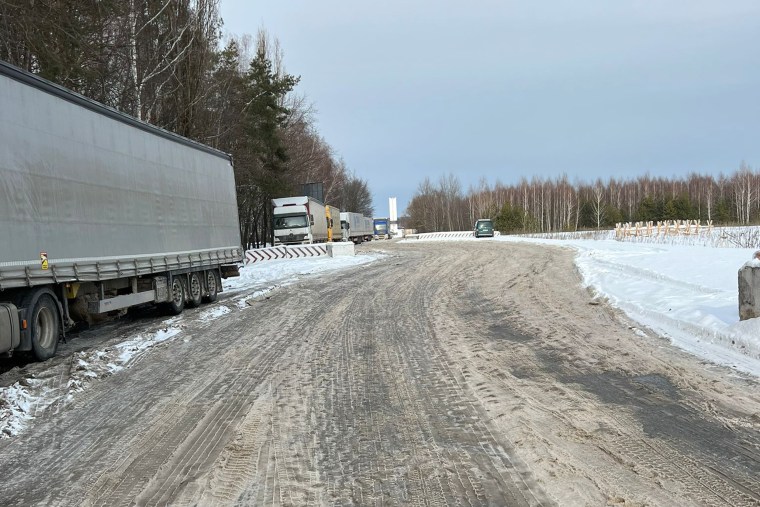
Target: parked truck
[299,220]
[99,212]
[334,230]
[356,227]
[382,228]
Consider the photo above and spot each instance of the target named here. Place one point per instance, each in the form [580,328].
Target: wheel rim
[211,281]
[45,327]
[195,287]
[177,291]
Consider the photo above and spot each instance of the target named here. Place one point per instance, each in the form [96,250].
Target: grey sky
[501,89]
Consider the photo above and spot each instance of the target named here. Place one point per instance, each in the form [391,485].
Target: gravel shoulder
[462,373]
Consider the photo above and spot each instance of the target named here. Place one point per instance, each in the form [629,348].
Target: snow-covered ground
[23,401]
[685,292]
[677,287]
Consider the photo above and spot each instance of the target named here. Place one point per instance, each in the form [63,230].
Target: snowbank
[688,294]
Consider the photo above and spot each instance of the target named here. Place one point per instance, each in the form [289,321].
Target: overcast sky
[501,90]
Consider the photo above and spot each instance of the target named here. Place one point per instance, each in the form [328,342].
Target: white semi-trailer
[100,211]
[356,227]
[299,220]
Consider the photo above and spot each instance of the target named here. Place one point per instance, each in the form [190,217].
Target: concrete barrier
[749,288]
[342,249]
[284,252]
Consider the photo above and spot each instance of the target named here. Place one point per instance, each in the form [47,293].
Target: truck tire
[195,290]
[44,327]
[212,285]
[177,303]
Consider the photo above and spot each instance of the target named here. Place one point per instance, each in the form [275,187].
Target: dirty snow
[287,271]
[679,288]
[683,292]
[20,402]
[214,313]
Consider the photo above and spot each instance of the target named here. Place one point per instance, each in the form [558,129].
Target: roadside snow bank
[688,294]
[286,271]
[24,400]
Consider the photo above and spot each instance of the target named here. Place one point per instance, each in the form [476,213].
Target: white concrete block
[340,249]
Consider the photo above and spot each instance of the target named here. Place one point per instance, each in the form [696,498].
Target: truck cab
[299,220]
[292,228]
[381,228]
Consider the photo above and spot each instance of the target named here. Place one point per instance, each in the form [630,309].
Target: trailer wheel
[177,303]
[212,286]
[196,290]
[44,328]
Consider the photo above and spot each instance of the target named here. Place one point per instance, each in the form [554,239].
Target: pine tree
[510,219]
[264,117]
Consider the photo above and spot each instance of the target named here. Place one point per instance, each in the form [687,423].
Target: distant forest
[165,62]
[550,205]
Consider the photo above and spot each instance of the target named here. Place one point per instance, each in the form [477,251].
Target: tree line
[165,62]
[552,205]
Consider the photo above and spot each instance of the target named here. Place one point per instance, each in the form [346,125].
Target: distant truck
[382,228]
[299,221]
[99,212]
[356,227]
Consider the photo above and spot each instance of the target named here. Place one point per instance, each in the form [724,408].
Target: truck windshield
[290,221]
[381,228]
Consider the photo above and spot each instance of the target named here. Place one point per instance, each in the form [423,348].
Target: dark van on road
[484,228]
